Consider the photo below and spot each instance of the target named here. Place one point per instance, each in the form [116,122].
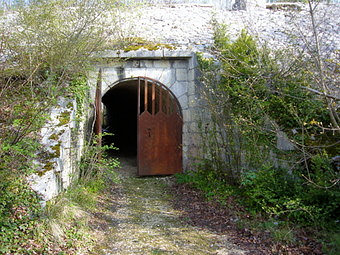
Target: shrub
[19,208]
[251,97]
[44,54]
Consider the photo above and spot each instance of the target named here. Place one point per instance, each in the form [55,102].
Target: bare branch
[321,93]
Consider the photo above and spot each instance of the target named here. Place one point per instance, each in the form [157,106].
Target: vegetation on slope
[44,54]
[273,132]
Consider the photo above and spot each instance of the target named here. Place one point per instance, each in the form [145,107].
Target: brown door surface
[159,129]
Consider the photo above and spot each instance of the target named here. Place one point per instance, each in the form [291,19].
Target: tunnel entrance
[146,120]
[120,117]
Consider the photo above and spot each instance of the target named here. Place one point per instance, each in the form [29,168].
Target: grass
[66,222]
[281,231]
[65,225]
[332,245]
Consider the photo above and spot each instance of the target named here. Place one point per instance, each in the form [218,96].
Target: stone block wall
[62,138]
[176,69]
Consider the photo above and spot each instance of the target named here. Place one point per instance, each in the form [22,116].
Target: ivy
[79,89]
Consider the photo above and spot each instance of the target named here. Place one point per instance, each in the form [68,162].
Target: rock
[190,25]
[240,5]
[336,162]
[55,169]
[283,143]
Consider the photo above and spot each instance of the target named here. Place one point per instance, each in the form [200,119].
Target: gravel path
[140,220]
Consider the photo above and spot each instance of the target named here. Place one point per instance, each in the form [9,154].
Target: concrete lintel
[145,54]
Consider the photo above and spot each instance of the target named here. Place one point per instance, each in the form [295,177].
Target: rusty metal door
[159,148]
[98,112]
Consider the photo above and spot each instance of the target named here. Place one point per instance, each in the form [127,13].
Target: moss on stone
[139,43]
[47,167]
[56,150]
[150,47]
[64,118]
[54,137]
[70,105]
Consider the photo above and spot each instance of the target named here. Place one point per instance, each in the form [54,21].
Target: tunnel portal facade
[151,105]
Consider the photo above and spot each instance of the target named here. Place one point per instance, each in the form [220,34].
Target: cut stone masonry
[177,70]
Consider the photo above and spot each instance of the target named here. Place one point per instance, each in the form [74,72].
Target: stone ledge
[146,54]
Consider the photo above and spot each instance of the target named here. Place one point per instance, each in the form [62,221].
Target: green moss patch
[54,137]
[47,167]
[139,43]
[64,118]
[56,150]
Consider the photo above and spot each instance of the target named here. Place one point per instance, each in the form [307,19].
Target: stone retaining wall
[62,138]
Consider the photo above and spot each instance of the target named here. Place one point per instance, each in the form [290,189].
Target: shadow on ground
[137,216]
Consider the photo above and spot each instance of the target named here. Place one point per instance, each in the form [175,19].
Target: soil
[234,220]
[154,215]
[140,219]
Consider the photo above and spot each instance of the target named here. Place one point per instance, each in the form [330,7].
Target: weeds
[44,54]
[252,100]
[67,217]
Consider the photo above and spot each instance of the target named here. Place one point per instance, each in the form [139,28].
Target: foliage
[79,90]
[26,227]
[253,100]
[95,162]
[209,182]
[332,244]
[19,207]
[70,209]
[273,191]
[45,54]
[58,36]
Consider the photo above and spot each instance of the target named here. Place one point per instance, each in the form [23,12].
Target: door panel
[159,130]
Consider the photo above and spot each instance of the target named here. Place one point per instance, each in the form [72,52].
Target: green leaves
[19,207]
[44,55]
[252,97]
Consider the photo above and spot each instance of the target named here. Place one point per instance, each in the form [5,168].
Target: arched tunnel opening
[159,124]
[120,118]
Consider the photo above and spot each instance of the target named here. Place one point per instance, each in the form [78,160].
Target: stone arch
[154,107]
[176,69]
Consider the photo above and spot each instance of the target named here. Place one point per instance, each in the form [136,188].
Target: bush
[213,185]
[269,189]
[252,97]
[19,208]
[290,196]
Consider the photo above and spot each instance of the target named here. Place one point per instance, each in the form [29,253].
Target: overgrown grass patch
[286,226]
[68,216]
[213,187]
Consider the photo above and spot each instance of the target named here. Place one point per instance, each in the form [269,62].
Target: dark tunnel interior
[120,117]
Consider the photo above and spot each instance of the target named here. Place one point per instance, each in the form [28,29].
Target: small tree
[257,97]
[45,46]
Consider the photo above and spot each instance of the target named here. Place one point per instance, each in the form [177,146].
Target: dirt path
[140,220]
